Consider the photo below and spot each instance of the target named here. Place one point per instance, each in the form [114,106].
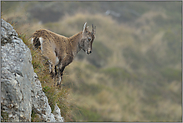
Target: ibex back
[60,50]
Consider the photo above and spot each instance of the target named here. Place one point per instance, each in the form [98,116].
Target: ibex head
[87,38]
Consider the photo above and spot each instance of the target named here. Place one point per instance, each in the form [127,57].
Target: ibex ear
[85,27]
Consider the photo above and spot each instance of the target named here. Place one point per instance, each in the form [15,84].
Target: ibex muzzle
[60,50]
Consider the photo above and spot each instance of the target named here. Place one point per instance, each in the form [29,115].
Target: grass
[4,116]
[85,115]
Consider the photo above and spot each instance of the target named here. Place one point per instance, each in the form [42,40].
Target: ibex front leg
[66,61]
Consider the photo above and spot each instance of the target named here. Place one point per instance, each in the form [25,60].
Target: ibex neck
[75,40]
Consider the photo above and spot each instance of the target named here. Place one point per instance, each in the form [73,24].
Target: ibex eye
[89,39]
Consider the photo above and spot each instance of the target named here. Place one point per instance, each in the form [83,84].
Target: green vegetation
[87,115]
[134,71]
[35,117]
[4,116]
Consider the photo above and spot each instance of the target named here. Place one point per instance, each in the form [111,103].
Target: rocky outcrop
[21,91]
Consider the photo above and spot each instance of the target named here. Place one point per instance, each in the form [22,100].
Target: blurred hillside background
[134,71]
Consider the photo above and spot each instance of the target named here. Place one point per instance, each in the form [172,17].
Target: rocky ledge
[21,91]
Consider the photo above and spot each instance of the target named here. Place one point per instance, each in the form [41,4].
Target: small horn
[93,29]
[84,27]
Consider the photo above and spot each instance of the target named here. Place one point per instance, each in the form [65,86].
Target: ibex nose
[89,51]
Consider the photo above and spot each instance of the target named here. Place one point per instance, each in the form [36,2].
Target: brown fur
[61,50]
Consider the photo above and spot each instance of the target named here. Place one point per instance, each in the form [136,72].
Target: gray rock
[57,114]
[7,33]
[43,108]
[21,91]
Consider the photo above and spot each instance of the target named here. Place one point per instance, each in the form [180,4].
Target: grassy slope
[134,72]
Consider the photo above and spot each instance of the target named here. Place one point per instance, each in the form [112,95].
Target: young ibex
[60,50]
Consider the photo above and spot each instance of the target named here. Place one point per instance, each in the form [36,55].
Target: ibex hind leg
[52,62]
[57,77]
[52,69]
